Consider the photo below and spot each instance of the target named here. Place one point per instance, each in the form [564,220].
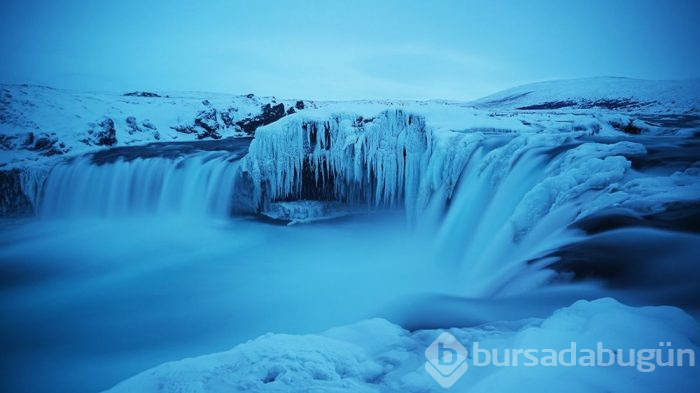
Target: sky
[343,49]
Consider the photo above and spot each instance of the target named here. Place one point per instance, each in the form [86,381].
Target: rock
[630,127]
[227,117]
[270,114]
[13,202]
[7,142]
[132,125]
[208,124]
[141,94]
[205,125]
[148,125]
[299,105]
[45,143]
[102,134]
[184,129]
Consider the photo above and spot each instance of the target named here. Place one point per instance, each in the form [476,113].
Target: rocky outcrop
[141,94]
[44,143]
[206,123]
[13,202]
[228,117]
[133,127]
[101,133]
[629,128]
[269,114]
[209,122]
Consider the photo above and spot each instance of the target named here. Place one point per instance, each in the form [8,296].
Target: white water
[196,185]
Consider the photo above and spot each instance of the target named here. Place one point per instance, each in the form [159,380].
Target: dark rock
[184,129]
[7,142]
[13,202]
[251,95]
[102,133]
[208,123]
[227,117]
[548,105]
[361,121]
[45,143]
[132,125]
[148,125]
[291,111]
[611,104]
[629,128]
[299,105]
[621,103]
[141,94]
[5,105]
[106,134]
[270,114]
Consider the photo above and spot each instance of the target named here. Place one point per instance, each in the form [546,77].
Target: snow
[588,167]
[68,116]
[650,96]
[377,356]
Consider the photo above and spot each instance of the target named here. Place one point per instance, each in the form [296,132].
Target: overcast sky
[343,49]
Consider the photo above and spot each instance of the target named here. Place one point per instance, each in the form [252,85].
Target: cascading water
[496,201]
[194,185]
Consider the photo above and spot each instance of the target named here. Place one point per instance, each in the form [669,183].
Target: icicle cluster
[378,162]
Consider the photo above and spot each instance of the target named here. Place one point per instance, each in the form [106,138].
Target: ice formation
[346,158]
[396,160]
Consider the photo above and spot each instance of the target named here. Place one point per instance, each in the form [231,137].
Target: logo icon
[446,360]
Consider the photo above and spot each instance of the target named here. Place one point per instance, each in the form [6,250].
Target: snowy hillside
[604,93]
[38,122]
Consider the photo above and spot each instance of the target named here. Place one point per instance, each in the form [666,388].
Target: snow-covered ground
[377,356]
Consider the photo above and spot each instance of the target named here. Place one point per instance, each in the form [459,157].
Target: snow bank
[377,356]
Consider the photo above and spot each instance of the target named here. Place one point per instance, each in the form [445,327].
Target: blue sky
[343,49]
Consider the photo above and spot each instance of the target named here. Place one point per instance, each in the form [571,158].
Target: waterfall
[490,202]
[195,185]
